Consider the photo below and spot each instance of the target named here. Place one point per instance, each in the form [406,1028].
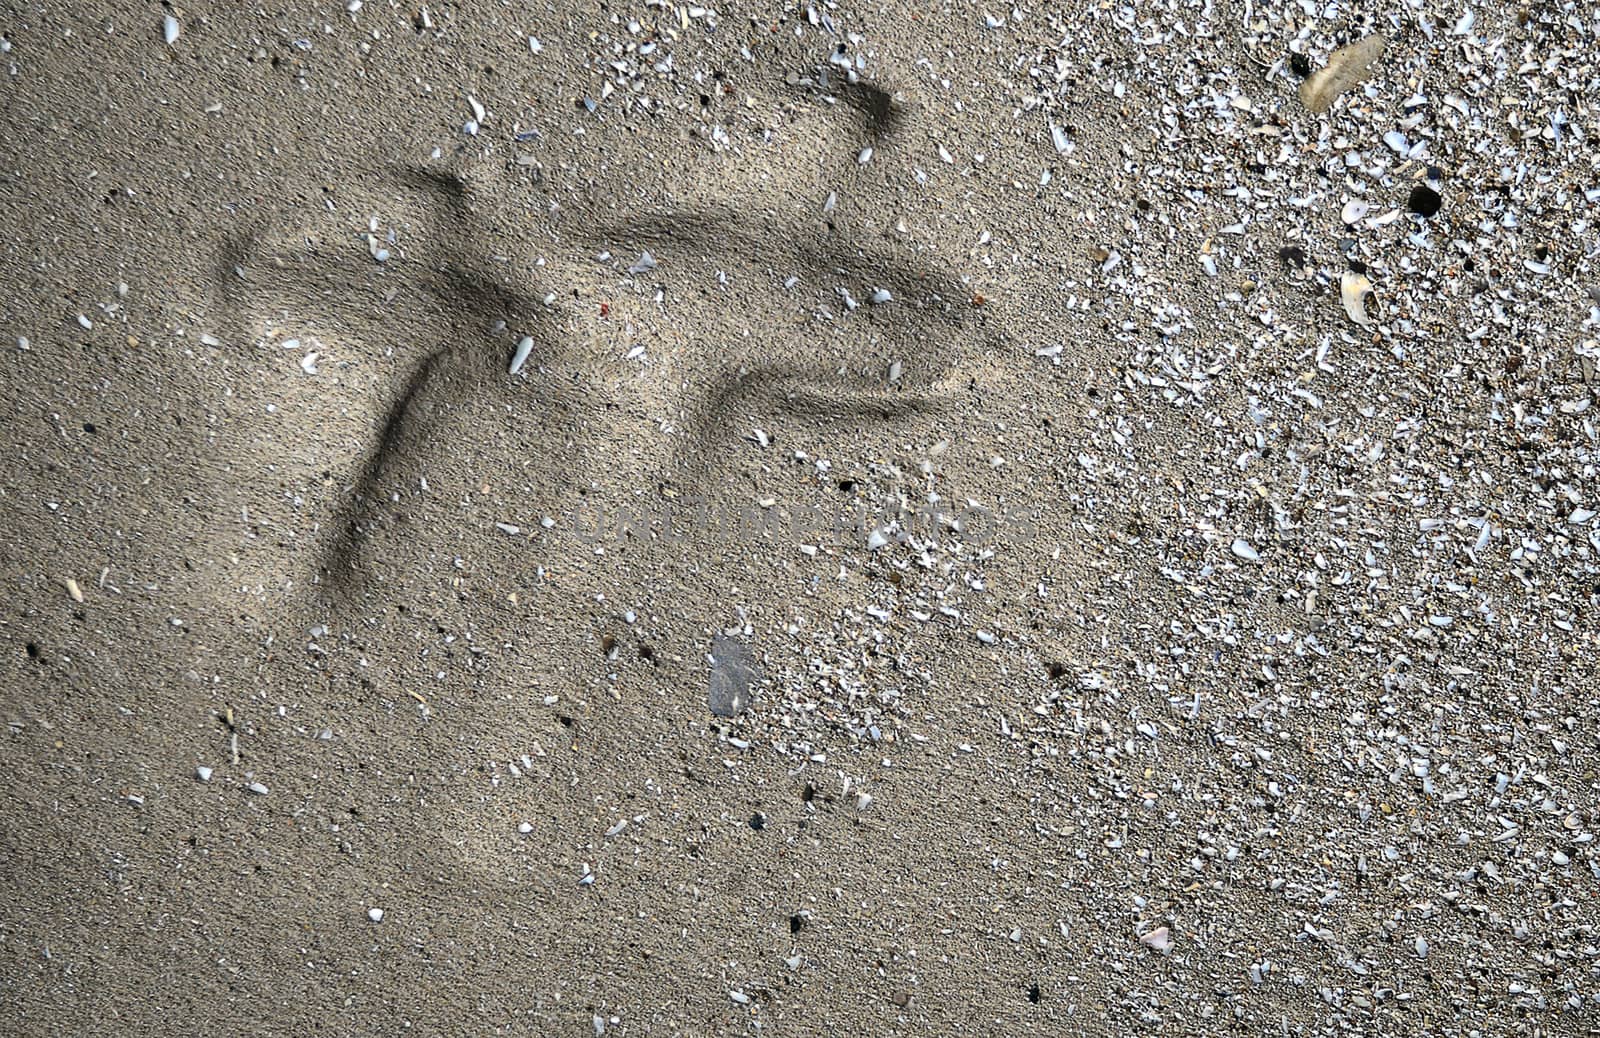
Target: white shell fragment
[1354,210]
[170,28]
[1159,939]
[520,357]
[1353,291]
[880,296]
[375,914]
[644,264]
[1243,549]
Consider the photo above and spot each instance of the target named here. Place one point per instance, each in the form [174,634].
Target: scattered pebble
[1424,201]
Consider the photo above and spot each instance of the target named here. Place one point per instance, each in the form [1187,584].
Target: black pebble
[1034,994]
[1425,201]
[758,821]
[1300,65]
[1292,256]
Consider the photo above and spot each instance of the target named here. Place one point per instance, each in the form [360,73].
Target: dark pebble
[1425,201]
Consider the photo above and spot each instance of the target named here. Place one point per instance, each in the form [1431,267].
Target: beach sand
[1137,639]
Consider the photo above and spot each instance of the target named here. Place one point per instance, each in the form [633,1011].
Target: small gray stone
[733,671]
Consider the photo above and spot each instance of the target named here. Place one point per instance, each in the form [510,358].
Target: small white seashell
[375,914]
[170,29]
[520,357]
[644,264]
[84,322]
[258,789]
[1159,939]
[1353,291]
[202,773]
[1243,549]
[308,363]
[1059,138]
[74,592]
[865,156]
[895,370]
[880,296]
[478,114]
[1354,210]
[534,44]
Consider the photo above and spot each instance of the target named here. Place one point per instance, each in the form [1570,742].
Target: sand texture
[645,519]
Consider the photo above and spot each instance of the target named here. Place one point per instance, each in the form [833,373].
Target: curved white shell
[1353,291]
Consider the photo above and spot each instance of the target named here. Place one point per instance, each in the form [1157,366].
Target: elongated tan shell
[1346,67]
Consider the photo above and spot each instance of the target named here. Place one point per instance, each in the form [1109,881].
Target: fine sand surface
[1117,631]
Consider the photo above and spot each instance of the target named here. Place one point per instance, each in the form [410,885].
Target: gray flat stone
[733,671]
